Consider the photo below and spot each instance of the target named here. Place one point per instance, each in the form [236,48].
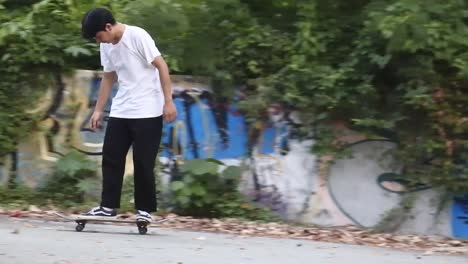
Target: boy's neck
[119,31]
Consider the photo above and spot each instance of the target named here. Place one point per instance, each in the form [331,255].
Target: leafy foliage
[73,183]
[73,180]
[36,42]
[207,189]
[19,197]
[396,69]
[387,68]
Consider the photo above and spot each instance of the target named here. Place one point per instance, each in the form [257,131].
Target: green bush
[73,181]
[19,197]
[206,189]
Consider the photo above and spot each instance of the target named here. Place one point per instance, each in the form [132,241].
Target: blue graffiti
[198,133]
[204,128]
[460,217]
[274,139]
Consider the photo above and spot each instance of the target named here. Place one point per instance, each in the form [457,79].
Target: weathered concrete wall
[283,175]
[352,183]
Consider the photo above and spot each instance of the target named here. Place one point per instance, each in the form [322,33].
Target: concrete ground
[38,242]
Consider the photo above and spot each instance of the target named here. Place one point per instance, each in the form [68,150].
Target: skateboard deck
[82,221]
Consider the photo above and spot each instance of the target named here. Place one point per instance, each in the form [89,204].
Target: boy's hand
[169,111]
[95,121]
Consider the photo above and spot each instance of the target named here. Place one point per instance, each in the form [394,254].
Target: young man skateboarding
[129,55]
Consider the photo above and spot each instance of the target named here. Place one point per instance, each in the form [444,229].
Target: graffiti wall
[365,189]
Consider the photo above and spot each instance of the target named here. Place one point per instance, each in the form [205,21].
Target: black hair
[95,20]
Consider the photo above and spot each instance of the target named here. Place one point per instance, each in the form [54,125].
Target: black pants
[144,135]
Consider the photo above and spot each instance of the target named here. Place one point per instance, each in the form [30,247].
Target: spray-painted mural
[362,189]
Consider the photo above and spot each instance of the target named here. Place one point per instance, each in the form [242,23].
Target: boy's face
[106,35]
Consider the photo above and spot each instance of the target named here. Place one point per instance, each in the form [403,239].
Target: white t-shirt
[139,94]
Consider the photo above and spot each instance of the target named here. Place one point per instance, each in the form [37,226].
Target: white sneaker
[99,211]
[144,216]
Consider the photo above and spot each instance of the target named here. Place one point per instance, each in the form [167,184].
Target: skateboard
[82,221]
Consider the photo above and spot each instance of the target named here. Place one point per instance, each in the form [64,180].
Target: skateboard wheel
[142,230]
[79,227]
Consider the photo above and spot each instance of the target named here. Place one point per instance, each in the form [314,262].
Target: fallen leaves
[345,235]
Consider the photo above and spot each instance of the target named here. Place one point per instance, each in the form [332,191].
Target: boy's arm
[107,82]
[169,111]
